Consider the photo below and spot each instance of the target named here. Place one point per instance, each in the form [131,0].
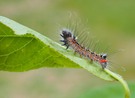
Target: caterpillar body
[70,40]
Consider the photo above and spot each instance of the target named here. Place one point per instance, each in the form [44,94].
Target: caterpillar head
[65,35]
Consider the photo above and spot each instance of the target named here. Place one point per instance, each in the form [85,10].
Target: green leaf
[23,49]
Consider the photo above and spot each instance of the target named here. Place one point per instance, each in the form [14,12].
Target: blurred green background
[113,21]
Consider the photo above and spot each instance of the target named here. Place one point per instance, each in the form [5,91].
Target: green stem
[122,81]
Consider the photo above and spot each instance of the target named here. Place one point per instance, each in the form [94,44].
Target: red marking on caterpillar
[69,40]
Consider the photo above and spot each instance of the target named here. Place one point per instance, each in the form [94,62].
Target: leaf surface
[23,49]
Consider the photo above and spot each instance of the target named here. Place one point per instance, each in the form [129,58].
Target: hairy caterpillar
[69,40]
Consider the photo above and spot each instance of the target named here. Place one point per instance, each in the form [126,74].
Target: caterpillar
[69,40]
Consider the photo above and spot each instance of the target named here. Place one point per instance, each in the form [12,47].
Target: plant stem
[121,80]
